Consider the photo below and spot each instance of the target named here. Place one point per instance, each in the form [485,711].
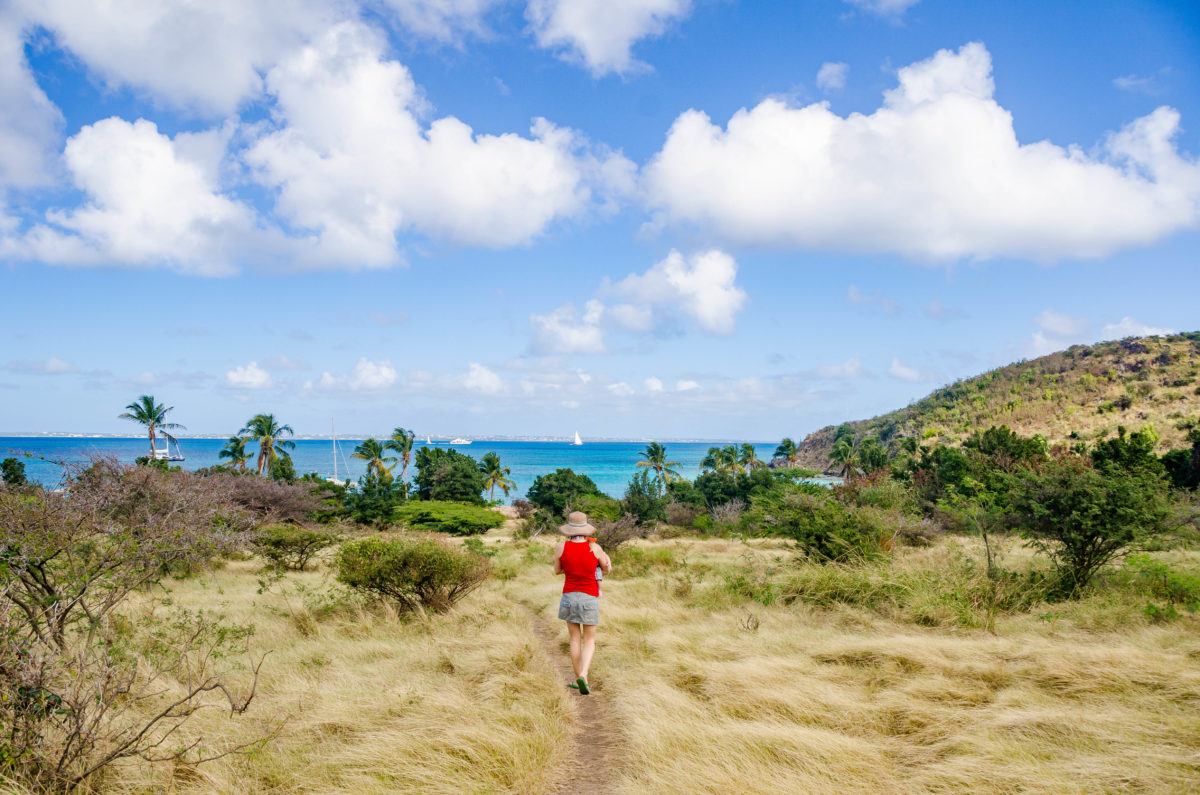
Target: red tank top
[579,564]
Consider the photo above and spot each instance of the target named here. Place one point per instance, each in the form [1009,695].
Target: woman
[580,558]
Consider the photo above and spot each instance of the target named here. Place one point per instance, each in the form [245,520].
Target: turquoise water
[609,464]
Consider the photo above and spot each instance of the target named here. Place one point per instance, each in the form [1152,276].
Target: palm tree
[748,458]
[263,428]
[787,450]
[152,415]
[843,454]
[655,457]
[721,459]
[402,442]
[494,475]
[374,452]
[235,451]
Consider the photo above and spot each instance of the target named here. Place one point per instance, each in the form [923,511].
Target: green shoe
[573,685]
[582,684]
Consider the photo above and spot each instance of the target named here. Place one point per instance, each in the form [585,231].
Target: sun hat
[577,525]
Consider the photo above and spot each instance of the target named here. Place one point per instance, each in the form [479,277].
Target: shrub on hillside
[416,573]
[455,518]
[291,547]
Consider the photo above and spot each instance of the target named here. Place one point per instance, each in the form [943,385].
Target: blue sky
[663,218]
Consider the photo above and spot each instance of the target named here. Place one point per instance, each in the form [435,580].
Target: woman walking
[581,559]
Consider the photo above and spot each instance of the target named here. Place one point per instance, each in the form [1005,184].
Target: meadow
[724,664]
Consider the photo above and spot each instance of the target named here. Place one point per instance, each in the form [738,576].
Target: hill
[1080,394]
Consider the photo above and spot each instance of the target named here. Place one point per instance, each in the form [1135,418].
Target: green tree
[787,450]
[374,452]
[644,498]
[402,443]
[561,488]
[264,429]
[871,455]
[12,472]
[1183,465]
[748,458]
[495,475]
[446,474]
[721,459]
[374,500]
[282,470]
[235,451]
[843,455]
[153,415]
[655,457]
[1128,451]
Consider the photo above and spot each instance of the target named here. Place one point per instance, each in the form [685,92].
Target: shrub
[282,470]
[446,474]
[598,507]
[823,527]
[12,472]
[289,546]
[1177,588]
[644,499]
[524,508]
[611,535]
[269,501]
[681,514]
[560,488]
[417,573]
[454,518]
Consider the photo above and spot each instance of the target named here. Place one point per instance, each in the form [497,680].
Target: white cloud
[876,300]
[1128,327]
[620,389]
[564,331]
[701,286]
[152,201]
[206,56]
[631,317]
[442,20]
[250,376]
[937,172]
[367,375]
[1150,85]
[884,8]
[652,384]
[849,369]
[29,123]
[354,166]
[1056,331]
[903,372]
[482,380]
[685,385]
[832,76]
[51,366]
[599,33]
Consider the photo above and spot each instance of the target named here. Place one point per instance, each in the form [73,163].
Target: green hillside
[1080,394]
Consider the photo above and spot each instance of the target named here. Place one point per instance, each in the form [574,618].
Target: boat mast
[333,434]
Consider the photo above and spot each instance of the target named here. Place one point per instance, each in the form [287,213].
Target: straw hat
[577,525]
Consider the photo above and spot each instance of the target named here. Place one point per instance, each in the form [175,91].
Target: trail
[595,739]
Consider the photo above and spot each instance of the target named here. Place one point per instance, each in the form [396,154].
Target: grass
[728,666]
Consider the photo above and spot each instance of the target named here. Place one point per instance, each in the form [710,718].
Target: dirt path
[596,738]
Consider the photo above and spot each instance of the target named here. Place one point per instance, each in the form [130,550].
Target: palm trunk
[151,429]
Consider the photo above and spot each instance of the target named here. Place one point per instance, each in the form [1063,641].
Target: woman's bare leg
[573,631]
[586,649]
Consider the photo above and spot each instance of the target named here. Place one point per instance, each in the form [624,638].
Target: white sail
[577,439]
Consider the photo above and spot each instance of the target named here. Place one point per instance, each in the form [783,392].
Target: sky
[716,219]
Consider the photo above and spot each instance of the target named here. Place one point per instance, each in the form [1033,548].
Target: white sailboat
[164,453]
[577,441]
[428,441]
[334,480]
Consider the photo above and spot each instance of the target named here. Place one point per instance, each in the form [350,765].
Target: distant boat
[577,439]
[428,441]
[165,453]
[460,440]
[334,480]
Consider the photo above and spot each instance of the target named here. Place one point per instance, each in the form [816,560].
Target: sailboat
[334,480]
[428,441]
[577,441]
[164,453]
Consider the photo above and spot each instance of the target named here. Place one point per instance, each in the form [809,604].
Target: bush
[454,518]
[12,472]
[291,547]
[375,499]
[282,470]
[269,501]
[644,498]
[417,573]
[823,527]
[524,508]
[611,535]
[446,474]
[681,514]
[561,488]
[599,508]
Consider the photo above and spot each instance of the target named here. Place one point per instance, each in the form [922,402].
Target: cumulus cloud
[686,385]
[902,372]
[652,384]
[151,200]
[936,173]
[30,123]
[875,300]
[599,34]
[831,76]
[367,375]
[354,166]
[51,366]
[701,286]
[1128,327]
[565,331]
[207,56]
[621,389]
[1056,330]
[249,376]
[482,380]
[442,20]
[850,369]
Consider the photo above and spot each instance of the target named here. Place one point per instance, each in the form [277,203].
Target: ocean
[609,464]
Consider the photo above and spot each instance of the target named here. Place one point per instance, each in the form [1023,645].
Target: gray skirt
[579,608]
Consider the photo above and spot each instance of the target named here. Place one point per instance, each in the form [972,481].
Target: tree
[153,415]
[871,455]
[748,458]
[263,428]
[1183,465]
[402,442]
[12,472]
[495,475]
[1129,451]
[843,456]
[644,498]
[446,474]
[561,488]
[282,470]
[655,457]
[787,451]
[374,452]
[721,459]
[235,451]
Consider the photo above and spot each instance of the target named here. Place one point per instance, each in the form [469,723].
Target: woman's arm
[602,557]
[558,556]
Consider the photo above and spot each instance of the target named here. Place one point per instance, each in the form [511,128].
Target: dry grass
[719,678]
